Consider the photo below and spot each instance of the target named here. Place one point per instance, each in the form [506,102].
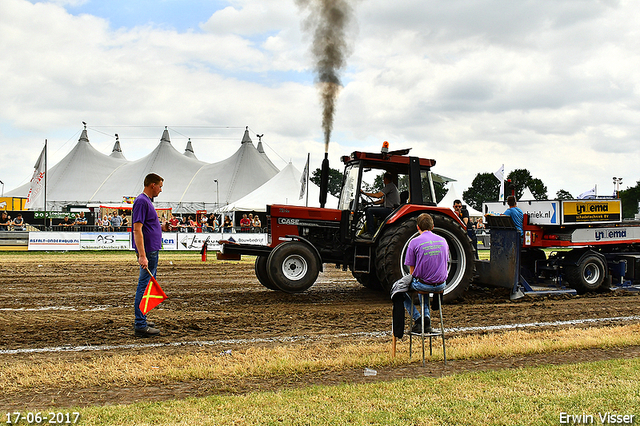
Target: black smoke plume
[328,22]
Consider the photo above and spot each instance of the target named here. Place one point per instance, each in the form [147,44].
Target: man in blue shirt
[147,241]
[515,213]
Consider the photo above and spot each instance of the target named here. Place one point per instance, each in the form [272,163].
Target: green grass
[527,396]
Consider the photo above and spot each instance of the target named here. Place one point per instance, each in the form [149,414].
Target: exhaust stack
[324,180]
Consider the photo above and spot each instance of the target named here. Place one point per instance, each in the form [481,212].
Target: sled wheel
[588,275]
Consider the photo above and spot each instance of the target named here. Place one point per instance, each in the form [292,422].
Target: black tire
[392,246]
[261,273]
[292,267]
[368,280]
[588,275]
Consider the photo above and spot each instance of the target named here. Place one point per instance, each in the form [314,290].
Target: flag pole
[308,173]
[45,183]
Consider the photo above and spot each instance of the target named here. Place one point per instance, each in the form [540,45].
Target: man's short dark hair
[511,200]
[152,178]
[388,176]
[456,202]
[425,222]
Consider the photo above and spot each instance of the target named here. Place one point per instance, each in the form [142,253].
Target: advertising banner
[54,241]
[195,241]
[105,241]
[540,212]
[591,211]
[169,241]
[606,235]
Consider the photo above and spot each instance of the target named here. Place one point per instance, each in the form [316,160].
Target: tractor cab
[411,175]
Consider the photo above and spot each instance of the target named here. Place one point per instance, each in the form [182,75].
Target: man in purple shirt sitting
[147,241]
[427,257]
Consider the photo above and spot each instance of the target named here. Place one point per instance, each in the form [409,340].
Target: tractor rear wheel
[370,281]
[261,273]
[392,248]
[292,267]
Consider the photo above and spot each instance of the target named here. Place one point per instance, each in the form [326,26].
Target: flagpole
[308,173]
[45,183]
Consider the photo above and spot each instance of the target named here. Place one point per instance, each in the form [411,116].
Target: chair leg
[444,347]
[422,328]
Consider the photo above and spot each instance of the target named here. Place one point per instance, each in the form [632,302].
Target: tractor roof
[386,158]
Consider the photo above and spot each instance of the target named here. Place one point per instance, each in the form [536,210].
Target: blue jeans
[143,280]
[408,303]
[371,213]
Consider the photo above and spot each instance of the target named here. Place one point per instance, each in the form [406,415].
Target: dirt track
[57,301]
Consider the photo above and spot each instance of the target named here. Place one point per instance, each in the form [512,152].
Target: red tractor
[302,239]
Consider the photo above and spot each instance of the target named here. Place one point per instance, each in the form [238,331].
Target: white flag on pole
[590,194]
[304,178]
[34,198]
[500,175]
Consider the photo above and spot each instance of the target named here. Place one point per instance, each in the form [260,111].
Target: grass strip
[532,396]
[119,370]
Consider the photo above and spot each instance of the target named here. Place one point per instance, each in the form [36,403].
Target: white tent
[283,188]
[75,178]
[527,195]
[128,179]
[451,196]
[237,176]
[86,176]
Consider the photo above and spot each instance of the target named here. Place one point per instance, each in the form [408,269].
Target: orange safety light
[385,147]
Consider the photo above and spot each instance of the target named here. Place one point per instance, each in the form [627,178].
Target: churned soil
[63,303]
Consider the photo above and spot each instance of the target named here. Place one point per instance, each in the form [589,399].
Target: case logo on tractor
[287,221]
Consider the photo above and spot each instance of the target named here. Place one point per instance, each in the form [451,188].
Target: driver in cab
[388,199]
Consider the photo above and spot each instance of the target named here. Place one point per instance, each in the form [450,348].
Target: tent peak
[246,138]
[165,135]
[189,146]
[116,146]
[188,151]
[116,152]
[260,148]
[83,136]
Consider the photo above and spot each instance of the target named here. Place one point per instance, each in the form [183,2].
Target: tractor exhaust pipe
[324,180]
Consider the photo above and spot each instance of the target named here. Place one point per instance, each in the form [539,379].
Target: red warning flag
[203,251]
[153,296]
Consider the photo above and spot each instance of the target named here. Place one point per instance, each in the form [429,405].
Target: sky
[548,86]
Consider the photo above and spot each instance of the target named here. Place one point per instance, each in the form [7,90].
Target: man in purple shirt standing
[427,258]
[147,241]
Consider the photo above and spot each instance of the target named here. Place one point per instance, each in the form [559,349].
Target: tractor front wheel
[292,267]
[261,273]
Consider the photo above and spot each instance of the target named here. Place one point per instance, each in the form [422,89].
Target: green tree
[521,179]
[485,187]
[563,195]
[630,197]
[335,180]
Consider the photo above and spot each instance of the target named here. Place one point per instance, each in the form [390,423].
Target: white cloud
[552,87]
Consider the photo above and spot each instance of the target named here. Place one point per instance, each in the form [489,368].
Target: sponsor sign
[50,215]
[105,241]
[194,241]
[540,212]
[591,211]
[169,241]
[605,235]
[54,241]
